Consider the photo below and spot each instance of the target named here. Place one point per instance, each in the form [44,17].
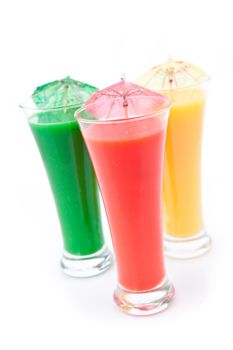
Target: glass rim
[140,116]
[49,109]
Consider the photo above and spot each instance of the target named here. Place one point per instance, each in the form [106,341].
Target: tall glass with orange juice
[185,84]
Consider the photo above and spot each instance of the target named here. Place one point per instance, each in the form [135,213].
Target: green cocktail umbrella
[64,96]
[62,93]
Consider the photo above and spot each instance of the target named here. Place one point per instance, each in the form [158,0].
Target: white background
[95,41]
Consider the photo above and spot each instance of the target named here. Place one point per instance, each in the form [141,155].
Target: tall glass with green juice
[71,178]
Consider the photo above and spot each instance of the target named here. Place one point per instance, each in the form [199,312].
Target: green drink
[74,187]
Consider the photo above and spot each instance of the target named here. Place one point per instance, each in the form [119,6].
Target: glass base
[145,303]
[87,265]
[187,248]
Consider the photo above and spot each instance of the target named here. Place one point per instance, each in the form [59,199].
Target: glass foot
[187,248]
[87,265]
[145,303]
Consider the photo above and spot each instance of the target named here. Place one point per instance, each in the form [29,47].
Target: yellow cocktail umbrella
[172,75]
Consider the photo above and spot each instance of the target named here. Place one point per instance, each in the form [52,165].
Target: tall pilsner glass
[74,189]
[127,154]
[185,84]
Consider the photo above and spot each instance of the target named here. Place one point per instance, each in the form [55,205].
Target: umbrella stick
[125,105]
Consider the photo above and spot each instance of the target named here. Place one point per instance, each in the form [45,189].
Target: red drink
[128,160]
[124,130]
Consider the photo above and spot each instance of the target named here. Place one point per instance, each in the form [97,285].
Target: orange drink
[182,208]
[185,84]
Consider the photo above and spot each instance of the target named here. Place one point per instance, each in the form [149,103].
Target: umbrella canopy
[66,92]
[173,75]
[124,100]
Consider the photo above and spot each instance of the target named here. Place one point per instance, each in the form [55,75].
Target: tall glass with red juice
[127,153]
